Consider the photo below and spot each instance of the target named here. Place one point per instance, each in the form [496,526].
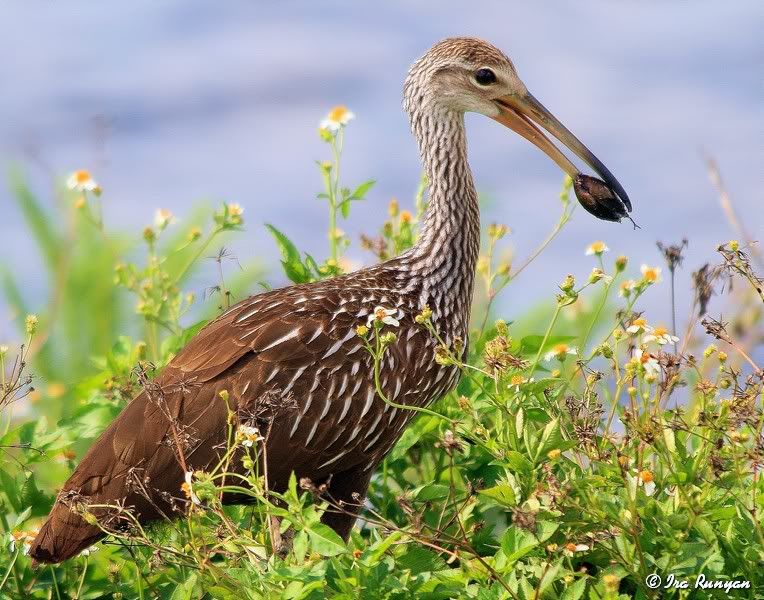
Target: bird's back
[289,361]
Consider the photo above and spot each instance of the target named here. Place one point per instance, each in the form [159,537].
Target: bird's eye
[485,76]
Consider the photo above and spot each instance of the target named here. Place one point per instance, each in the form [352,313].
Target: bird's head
[461,75]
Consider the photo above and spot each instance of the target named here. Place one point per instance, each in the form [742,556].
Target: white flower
[89,550]
[560,351]
[597,248]
[235,209]
[338,117]
[249,436]
[660,336]
[188,488]
[82,181]
[163,218]
[24,538]
[651,274]
[639,326]
[646,480]
[383,315]
[648,361]
[598,274]
[570,549]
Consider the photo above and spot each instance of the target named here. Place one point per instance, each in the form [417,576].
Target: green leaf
[517,542]
[361,190]
[325,541]
[531,344]
[550,438]
[37,221]
[518,463]
[294,269]
[502,493]
[185,590]
[432,491]
[420,560]
[519,422]
[575,591]
[545,530]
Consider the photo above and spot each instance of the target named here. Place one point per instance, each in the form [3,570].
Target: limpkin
[299,346]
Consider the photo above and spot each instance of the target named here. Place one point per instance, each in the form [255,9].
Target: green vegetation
[583,450]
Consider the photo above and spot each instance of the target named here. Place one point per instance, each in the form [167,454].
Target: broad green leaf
[325,541]
[502,493]
[575,591]
[432,491]
[518,463]
[419,560]
[517,542]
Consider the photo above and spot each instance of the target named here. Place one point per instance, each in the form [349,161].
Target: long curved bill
[524,114]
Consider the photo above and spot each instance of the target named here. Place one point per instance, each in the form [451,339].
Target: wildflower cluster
[586,446]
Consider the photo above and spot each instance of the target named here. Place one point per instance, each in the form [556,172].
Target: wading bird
[291,359]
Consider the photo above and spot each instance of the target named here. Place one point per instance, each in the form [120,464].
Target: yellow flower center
[517,380]
[82,176]
[646,476]
[406,216]
[338,113]
[639,323]
[651,275]
[598,247]
[560,349]
[660,331]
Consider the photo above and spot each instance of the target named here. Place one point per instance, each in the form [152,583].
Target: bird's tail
[64,534]
[130,467]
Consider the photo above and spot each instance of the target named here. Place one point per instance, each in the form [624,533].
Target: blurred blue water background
[221,101]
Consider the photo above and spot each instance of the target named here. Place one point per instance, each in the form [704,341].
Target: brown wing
[265,343]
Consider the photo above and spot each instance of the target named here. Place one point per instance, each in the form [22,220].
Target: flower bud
[497,231]
[605,351]
[31,324]
[620,263]
[501,327]
[596,275]
[568,283]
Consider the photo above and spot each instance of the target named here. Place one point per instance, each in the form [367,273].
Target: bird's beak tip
[604,198]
